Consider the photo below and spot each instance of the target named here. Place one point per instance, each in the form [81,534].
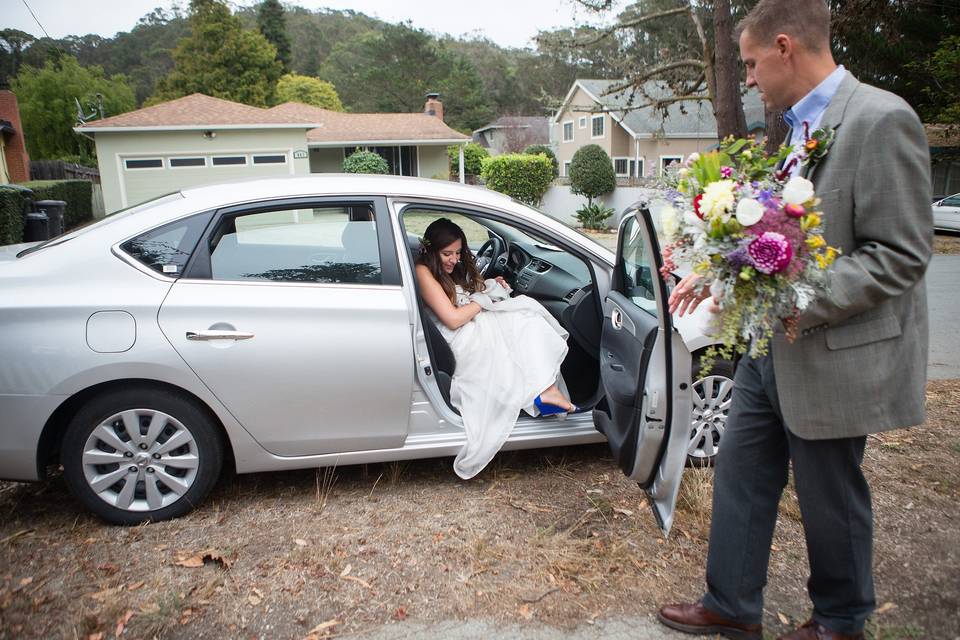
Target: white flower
[749,212]
[693,157]
[717,200]
[798,190]
[669,223]
[691,220]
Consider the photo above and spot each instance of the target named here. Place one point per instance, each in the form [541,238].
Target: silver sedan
[946,214]
[275,325]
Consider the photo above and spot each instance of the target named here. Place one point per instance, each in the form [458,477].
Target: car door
[946,213]
[293,315]
[644,370]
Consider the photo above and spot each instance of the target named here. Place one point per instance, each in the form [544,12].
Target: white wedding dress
[506,355]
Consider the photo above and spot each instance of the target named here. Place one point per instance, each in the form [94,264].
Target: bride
[508,350]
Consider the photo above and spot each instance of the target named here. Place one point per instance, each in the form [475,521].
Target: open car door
[645,370]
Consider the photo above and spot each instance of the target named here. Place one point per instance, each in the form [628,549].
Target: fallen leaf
[26,581]
[322,628]
[525,612]
[191,562]
[358,580]
[106,593]
[108,568]
[346,570]
[300,542]
[886,607]
[197,560]
[134,586]
[95,636]
[625,512]
[400,613]
[774,547]
[122,622]
[783,619]
[594,490]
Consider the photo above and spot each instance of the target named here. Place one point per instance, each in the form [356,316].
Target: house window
[402,161]
[666,161]
[639,167]
[187,162]
[582,122]
[566,169]
[220,161]
[270,159]
[621,166]
[568,131]
[144,163]
[596,126]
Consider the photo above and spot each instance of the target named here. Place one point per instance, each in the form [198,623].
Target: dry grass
[946,244]
[556,537]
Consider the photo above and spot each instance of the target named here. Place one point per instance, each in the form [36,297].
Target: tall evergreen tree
[272,23]
[222,59]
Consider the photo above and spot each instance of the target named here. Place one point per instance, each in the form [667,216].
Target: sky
[509,23]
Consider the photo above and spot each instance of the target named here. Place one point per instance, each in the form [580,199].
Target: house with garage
[641,140]
[199,139]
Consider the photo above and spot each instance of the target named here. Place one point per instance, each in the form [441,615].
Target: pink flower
[726,172]
[795,210]
[770,252]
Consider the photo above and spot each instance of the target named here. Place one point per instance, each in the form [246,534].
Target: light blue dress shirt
[810,109]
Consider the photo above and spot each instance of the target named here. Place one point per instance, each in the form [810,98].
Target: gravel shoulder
[540,541]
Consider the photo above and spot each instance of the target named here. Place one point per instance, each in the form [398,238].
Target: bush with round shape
[591,172]
[525,178]
[473,155]
[536,149]
[365,162]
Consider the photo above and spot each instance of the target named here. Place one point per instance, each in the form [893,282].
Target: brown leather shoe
[813,630]
[695,618]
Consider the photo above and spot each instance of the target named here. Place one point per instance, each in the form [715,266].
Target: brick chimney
[18,162]
[433,107]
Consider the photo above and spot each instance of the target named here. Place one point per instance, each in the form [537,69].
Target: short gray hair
[807,21]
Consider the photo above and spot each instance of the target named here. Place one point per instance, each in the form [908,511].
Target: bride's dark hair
[440,234]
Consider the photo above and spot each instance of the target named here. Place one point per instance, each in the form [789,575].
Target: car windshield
[108,219]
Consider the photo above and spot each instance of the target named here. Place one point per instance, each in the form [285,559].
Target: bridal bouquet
[752,233]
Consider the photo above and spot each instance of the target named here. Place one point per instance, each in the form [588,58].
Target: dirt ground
[946,244]
[556,536]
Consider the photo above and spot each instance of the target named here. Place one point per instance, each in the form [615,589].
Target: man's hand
[688,294]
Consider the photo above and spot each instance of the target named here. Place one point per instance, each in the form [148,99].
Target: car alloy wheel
[712,395]
[141,455]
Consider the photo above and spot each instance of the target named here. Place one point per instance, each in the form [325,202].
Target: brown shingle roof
[381,127]
[200,110]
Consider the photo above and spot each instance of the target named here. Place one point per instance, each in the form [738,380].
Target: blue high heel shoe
[547,409]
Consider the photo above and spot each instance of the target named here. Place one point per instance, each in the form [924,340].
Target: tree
[473,155]
[363,161]
[536,149]
[273,26]
[48,108]
[944,92]
[591,172]
[13,42]
[313,91]
[221,59]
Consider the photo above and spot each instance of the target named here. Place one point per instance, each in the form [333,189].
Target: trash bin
[54,210]
[37,227]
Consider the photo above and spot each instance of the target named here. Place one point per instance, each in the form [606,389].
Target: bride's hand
[502,282]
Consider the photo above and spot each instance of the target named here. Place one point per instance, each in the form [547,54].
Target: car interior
[533,266]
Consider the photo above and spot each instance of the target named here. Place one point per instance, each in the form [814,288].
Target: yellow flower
[811,144]
[810,221]
[815,242]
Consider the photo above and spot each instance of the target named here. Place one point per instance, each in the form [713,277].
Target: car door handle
[218,335]
[616,318]
[613,365]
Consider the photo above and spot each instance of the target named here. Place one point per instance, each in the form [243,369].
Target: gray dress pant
[751,472]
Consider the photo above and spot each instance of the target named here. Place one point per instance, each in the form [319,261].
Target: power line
[36,19]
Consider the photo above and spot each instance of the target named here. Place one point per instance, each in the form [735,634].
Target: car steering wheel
[487,255]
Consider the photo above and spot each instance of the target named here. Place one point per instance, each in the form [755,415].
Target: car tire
[162,472]
[711,405]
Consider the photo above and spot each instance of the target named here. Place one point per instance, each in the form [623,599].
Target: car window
[336,244]
[952,201]
[637,275]
[416,221]
[166,249]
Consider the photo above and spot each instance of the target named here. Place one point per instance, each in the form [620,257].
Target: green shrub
[473,155]
[536,149]
[525,178]
[594,216]
[365,162]
[11,216]
[591,172]
[78,194]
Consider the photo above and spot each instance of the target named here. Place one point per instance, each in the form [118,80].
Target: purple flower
[770,252]
[739,257]
[726,172]
[766,198]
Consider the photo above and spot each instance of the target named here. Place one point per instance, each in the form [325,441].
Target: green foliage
[523,177]
[944,93]
[313,91]
[535,149]
[392,70]
[78,194]
[221,59]
[591,172]
[48,109]
[594,215]
[473,155]
[365,162]
[11,216]
[271,23]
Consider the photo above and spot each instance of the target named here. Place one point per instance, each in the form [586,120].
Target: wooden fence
[61,170]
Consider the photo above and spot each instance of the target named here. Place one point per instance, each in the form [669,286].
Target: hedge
[523,177]
[11,216]
[78,194]
[473,155]
[535,149]
[365,162]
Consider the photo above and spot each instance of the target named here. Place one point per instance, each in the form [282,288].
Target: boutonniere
[816,145]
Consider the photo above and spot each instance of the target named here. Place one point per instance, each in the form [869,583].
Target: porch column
[463,178]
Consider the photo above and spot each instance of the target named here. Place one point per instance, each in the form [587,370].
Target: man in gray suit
[858,365]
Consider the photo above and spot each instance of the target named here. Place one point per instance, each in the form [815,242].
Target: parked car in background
[946,214]
[275,324]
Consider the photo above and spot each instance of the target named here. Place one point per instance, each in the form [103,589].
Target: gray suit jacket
[860,363]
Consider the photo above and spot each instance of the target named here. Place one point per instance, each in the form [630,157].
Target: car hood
[10,251]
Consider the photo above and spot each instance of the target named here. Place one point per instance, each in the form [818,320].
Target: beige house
[640,142]
[198,140]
